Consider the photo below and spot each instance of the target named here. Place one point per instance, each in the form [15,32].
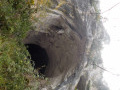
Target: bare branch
[111,8]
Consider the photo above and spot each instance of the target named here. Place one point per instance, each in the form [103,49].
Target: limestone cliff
[69,40]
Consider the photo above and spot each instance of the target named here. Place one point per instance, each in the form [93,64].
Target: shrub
[14,65]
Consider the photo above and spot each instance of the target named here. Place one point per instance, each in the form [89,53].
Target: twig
[111,8]
[105,70]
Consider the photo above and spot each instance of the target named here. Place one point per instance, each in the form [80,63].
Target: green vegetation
[16,71]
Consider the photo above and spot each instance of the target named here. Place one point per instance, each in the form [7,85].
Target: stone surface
[67,34]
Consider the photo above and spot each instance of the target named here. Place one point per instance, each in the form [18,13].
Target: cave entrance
[39,57]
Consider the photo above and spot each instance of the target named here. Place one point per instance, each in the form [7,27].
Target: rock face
[66,36]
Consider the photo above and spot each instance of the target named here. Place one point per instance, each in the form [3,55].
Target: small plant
[62,2]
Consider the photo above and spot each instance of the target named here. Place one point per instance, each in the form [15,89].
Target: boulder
[61,43]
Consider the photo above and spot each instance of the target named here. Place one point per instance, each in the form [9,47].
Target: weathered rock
[67,34]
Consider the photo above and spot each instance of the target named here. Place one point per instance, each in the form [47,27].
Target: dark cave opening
[39,57]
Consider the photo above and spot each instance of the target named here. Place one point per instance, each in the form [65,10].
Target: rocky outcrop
[67,36]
